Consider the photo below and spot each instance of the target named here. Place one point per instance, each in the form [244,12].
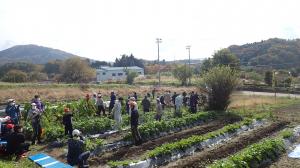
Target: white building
[116,73]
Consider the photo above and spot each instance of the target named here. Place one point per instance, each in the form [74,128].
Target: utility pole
[189,49]
[158,40]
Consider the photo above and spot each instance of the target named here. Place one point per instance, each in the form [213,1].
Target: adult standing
[178,105]
[135,96]
[67,121]
[134,122]
[100,105]
[117,113]
[13,111]
[159,110]
[39,104]
[146,104]
[168,98]
[112,101]
[193,103]
[162,101]
[35,116]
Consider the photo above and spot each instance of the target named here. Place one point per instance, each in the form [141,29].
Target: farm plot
[171,151]
[207,156]
[134,152]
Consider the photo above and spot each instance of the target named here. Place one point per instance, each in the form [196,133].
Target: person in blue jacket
[13,111]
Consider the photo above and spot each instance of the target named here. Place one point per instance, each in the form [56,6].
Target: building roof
[106,68]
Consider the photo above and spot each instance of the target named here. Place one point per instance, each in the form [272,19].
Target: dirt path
[134,152]
[207,156]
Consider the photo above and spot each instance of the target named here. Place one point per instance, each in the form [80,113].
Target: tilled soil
[134,152]
[207,156]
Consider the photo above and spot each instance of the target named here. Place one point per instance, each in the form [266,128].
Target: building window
[103,73]
[113,74]
[140,72]
[120,74]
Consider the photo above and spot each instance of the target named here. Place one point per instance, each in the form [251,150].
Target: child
[67,121]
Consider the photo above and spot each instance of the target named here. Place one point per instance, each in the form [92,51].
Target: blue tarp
[46,161]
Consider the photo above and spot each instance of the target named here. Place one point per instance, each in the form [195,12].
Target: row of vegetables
[168,148]
[256,155]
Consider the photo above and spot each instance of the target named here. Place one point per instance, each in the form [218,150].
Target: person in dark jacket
[135,96]
[134,122]
[16,142]
[193,102]
[146,104]
[39,104]
[67,121]
[112,102]
[76,154]
[162,101]
[13,111]
[185,99]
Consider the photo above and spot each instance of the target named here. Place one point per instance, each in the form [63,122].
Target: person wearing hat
[76,154]
[67,122]
[35,116]
[39,104]
[134,122]
[13,111]
[16,142]
[159,110]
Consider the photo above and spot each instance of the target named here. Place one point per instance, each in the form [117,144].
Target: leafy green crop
[253,155]
[183,144]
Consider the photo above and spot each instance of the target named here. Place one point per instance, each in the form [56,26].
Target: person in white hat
[13,111]
[35,116]
[76,154]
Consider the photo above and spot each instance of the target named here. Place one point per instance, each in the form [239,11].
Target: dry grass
[238,100]
[73,93]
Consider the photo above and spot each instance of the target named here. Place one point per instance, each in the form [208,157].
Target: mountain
[32,53]
[275,52]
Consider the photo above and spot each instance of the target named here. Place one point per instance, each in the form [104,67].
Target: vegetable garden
[240,137]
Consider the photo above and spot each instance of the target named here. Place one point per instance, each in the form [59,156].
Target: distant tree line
[72,70]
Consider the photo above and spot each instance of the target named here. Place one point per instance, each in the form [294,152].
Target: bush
[182,73]
[130,77]
[220,82]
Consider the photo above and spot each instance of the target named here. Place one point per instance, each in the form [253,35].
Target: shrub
[130,77]
[220,82]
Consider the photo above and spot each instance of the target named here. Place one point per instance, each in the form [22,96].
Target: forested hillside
[278,53]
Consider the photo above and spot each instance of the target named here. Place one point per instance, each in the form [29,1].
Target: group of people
[12,130]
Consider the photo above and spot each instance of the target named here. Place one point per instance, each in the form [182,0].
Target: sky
[106,29]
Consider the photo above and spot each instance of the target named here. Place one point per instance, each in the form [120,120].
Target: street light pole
[158,40]
[189,49]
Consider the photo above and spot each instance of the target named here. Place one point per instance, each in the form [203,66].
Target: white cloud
[103,30]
